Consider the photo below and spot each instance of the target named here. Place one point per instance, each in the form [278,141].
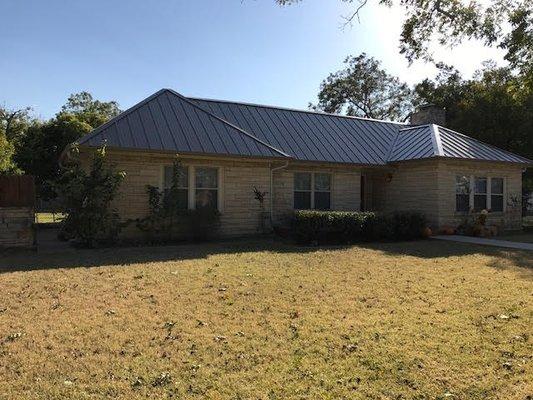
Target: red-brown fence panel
[17,191]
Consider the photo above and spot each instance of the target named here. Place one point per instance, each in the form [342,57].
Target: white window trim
[192,184]
[312,191]
[472,189]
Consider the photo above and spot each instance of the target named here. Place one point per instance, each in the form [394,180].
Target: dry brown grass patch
[247,320]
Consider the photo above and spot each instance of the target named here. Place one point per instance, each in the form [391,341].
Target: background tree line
[32,146]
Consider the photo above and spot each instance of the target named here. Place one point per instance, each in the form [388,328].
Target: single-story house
[305,160]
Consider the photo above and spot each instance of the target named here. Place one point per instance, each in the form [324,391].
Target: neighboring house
[304,160]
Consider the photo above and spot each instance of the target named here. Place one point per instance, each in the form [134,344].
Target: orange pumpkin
[426,232]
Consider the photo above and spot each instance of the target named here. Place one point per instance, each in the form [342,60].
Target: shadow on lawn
[69,257]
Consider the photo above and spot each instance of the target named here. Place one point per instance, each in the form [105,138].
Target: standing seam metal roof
[169,121]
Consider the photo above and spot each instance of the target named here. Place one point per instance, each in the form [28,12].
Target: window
[181,182]
[312,191]
[480,194]
[462,193]
[487,193]
[206,187]
[322,191]
[302,190]
[496,194]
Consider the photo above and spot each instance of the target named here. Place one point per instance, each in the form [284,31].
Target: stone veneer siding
[240,212]
[16,227]
[429,187]
[424,186]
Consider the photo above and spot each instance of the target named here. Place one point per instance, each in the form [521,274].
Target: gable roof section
[167,121]
[429,141]
[311,136]
[170,122]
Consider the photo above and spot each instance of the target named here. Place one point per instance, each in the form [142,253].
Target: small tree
[86,198]
[260,197]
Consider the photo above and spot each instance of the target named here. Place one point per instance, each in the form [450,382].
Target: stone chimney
[428,114]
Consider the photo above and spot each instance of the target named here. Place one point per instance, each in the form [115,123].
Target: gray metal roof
[413,143]
[168,121]
[311,136]
[428,141]
[457,145]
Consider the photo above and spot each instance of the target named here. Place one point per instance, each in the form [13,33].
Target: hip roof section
[168,121]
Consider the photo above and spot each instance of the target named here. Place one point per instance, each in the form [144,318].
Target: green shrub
[86,199]
[311,226]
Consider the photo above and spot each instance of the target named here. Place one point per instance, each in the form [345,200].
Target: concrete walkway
[487,242]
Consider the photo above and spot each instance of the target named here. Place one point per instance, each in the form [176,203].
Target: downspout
[272,170]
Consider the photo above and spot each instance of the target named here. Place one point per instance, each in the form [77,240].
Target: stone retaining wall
[16,227]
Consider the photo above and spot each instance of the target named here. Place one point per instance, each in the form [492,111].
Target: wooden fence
[17,191]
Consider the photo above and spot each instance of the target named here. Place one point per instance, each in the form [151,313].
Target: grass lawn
[263,320]
[525,237]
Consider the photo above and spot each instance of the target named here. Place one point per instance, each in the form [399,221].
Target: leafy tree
[90,111]
[364,89]
[39,147]
[495,106]
[7,165]
[13,124]
[86,198]
[43,143]
[507,24]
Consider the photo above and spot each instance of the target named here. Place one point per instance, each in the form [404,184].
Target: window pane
[462,202]
[462,184]
[206,178]
[181,198]
[323,182]
[302,200]
[183,177]
[302,181]
[480,185]
[322,200]
[206,198]
[496,203]
[496,185]
[480,202]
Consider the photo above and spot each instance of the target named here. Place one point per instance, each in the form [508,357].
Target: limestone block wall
[16,227]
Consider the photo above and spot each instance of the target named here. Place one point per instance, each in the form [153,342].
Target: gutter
[272,170]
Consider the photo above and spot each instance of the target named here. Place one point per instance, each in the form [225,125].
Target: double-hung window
[462,193]
[181,180]
[312,191]
[196,187]
[479,193]
[496,194]
[206,188]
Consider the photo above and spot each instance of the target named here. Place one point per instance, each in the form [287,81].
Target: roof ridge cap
[297,110]
[391,150]
[415,127]
[435,138]
[192,103]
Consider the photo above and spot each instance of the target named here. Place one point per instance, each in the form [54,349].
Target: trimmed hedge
[311,226]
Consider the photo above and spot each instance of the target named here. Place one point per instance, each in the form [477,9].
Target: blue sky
[244,50]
